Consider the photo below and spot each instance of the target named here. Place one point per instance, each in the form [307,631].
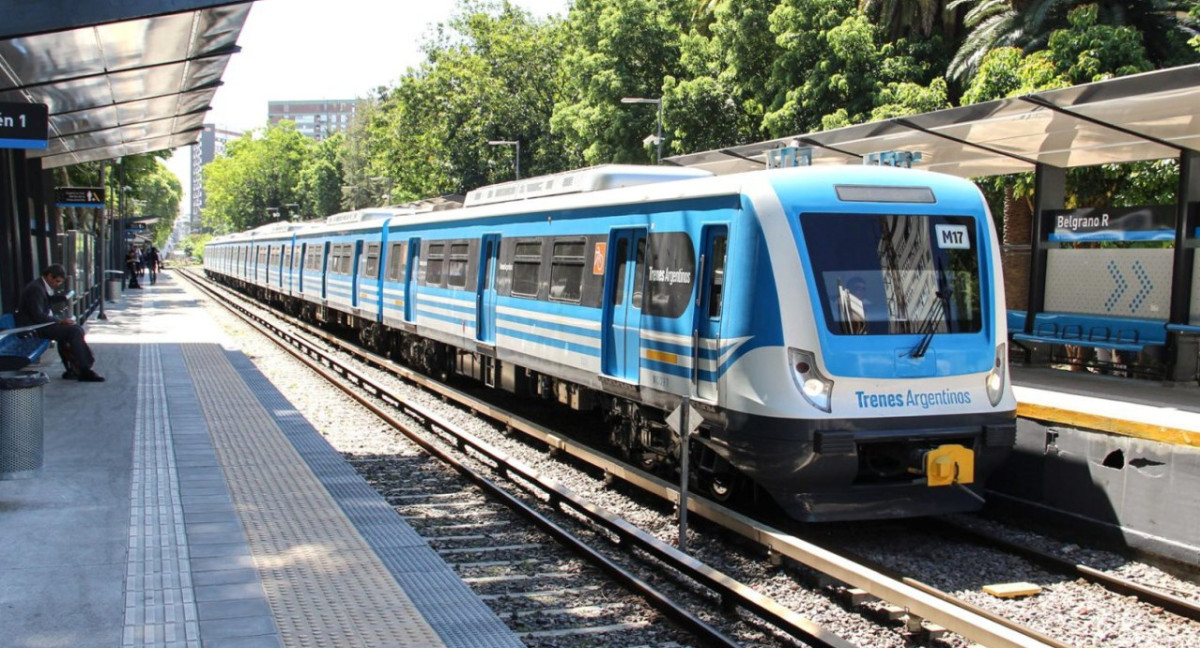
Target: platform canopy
[1147,116]
[119,78]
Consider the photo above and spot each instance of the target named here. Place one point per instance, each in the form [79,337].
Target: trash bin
[112,284]
[21,423]
[112,290]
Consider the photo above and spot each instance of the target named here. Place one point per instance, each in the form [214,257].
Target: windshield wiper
[929,324]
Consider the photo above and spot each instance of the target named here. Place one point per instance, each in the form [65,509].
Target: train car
[837,328]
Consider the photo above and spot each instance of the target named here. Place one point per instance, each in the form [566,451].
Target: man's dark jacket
[34,307]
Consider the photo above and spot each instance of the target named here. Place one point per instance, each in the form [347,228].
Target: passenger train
[840,330]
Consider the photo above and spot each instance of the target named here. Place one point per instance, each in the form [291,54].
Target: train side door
[355,278]
[485,301]
[706,344]
[325,268]
[623,304]
[300,271]
[410,280]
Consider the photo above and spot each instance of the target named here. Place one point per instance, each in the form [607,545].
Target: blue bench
[19,347]
[1098,331]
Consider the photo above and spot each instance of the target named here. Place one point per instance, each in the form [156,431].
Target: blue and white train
[839,329]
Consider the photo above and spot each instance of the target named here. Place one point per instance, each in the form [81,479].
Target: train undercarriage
[837,465]
[636,431]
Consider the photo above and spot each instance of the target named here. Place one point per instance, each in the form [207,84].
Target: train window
[335,259]
[456,272]
[566,271]
[397,259]
[370,261]
[527,268]
[619,280]
[433,269]
[671,267]
[716,275]
[880,274]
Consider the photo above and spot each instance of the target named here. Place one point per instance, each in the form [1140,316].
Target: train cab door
[410,280]
[485,301]
[623,304]
[706,342]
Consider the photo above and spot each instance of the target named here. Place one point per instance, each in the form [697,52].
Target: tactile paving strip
[160,603]
[327,582]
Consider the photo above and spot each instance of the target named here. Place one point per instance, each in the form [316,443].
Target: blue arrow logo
[1122,286]
[1143,278]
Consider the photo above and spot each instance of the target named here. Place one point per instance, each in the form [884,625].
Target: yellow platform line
[1083,420]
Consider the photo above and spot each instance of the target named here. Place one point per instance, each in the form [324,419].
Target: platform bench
[1098,331]
[19,347]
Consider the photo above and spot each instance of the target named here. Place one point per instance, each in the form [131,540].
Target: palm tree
[1027,24]
[912,18]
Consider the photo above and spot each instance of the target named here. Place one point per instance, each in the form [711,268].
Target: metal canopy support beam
[27,17]
[10,239]
[1049,193]
[1181,347]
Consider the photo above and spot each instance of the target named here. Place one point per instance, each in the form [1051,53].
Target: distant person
[152,261]
[34,308]
[131,268]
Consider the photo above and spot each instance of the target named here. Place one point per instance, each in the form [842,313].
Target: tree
[159,192]
[727,64]
[617,49]
[993,24]
[834,69]
[919,19]
[488,75]
[256,173]
[320,184]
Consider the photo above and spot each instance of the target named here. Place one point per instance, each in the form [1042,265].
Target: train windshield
[888,274]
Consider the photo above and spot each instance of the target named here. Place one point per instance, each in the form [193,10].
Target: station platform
[185,502]
[1144,409]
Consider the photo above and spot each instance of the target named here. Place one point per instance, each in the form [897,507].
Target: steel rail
[940,608]
[1169,602]
[336,374]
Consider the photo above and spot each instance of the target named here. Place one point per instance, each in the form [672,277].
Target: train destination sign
[79,197]
[24,125]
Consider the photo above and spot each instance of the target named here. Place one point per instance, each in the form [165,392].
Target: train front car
[888,395]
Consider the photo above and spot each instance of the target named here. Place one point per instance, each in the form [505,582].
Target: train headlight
[816,388]
[995,377]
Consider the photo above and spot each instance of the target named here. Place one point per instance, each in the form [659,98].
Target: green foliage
[193,245]
[256,173]
[616,49]
[489,75]
[835,69]
[1029,24]
[159,192]
[320,183]
[1088,51]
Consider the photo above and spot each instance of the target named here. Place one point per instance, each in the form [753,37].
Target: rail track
[917,610]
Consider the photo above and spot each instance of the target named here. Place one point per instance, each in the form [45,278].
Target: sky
[325,49]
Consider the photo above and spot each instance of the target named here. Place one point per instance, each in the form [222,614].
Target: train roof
[615,185]
[597,178]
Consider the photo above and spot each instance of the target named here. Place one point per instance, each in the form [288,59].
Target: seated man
[34,308]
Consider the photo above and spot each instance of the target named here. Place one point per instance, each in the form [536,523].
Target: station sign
[1150,223]
[24,125]
[79,196]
